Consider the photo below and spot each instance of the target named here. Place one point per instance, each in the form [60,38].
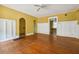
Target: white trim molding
[29,34]
[16,37]
[77,37]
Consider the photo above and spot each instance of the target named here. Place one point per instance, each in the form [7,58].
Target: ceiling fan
[40,6]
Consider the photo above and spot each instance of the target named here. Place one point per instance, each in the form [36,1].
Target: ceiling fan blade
[37,5]
[38,9]
[41,5]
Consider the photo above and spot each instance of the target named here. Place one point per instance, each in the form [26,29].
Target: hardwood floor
[40,44]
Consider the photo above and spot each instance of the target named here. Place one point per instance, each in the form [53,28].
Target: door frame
[35,26]
[24,26]
[49,19]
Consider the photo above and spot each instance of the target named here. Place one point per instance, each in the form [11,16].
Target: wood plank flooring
[40,44]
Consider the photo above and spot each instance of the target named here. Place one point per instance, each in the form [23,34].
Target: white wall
[68,29]
[43,28]
[65,28]
[77,31]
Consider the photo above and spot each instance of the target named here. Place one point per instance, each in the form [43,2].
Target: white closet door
[13,28]
[8,29]
[2,30]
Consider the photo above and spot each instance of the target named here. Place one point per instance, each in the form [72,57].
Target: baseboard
[16,37]
[29,34]
[69,36]
[77,37]
[12,38]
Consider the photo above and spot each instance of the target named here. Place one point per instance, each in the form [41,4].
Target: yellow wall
[77,15]
[73,15]
[8,13]
[15,15]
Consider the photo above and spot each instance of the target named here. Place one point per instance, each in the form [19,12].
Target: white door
[2,30]
[8,29]
[13,29]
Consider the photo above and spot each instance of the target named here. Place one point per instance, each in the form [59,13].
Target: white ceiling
[50,9]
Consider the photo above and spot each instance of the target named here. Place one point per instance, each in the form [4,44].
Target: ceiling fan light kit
[40,6]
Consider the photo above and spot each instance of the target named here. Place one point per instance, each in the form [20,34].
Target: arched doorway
[22,27]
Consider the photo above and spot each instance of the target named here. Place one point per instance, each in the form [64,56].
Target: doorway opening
[35,26]
[22,29]
[53,25]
